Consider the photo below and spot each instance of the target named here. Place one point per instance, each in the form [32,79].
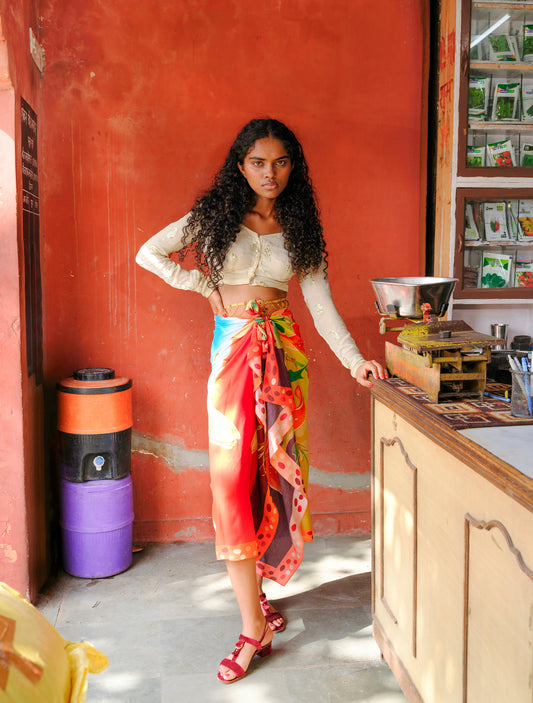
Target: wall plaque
[30,234]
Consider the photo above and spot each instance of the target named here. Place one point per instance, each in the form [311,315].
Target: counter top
[502,454]
[513,444]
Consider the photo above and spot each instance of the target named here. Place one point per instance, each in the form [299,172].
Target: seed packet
[503,47]
[471,230]
[479,50]
[472,268]
[478,97]
[477,209]
[525,218]
[501,154]
[523,273]
[475,51]
[475,156]
[526,154]
[495,270]
[528,44]
[512,218]
[527,99]
[506,102]
[495,217]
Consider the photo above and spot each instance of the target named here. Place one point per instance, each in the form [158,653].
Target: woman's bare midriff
[235,298]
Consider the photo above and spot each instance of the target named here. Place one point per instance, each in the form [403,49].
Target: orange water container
[94,423]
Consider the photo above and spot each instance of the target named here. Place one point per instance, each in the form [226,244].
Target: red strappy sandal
[271,614]
[231,663]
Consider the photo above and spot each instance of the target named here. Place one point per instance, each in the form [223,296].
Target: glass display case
[496,91]
[494,243]
[493,194]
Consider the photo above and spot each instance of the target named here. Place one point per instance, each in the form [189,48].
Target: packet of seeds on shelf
[477,209]
[472,268]
[471,230]
[475,156]
[528,44]
[479,50]
[501,154]
[503,47]
[526,154]
[495,270]
[525,218]
[495,217]
[527,100]
[478,97]
[506,102]
[512,218]
[523,273]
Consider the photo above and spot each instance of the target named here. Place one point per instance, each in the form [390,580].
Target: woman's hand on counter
[370,368]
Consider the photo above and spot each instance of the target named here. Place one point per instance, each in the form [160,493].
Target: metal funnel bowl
[403,297]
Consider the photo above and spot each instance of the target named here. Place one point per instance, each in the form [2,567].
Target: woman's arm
[154,256]
[330,326]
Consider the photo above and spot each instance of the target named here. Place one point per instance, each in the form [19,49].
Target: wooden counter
[452,591]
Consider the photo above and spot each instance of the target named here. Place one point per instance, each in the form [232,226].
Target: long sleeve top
[258,260]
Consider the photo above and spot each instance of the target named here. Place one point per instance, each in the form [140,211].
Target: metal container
[403,297]
[499,330]
[521,394]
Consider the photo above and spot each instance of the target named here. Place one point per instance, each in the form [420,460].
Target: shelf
[517,66]
[500,126]
[484,301]
[506,243]
[499,295]
[525,5]
[485,290]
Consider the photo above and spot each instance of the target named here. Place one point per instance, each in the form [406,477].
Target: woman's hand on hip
[370,368]
[217,306]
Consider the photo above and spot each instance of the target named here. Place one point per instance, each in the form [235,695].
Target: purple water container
[97,524]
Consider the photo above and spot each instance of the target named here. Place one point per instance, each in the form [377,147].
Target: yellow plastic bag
[36,664]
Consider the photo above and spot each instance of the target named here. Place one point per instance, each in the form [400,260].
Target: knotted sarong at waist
[258,443]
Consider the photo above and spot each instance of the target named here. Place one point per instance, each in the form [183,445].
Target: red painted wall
[141,102]
[23,559]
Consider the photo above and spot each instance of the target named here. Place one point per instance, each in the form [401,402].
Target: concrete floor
[166,623]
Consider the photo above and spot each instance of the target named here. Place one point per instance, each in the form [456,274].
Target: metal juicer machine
[446,359]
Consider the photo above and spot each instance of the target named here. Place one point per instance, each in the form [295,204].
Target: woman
[251,232]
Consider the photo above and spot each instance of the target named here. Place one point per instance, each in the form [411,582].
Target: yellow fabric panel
[36,664]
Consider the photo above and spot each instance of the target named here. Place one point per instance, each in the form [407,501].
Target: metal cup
[499,330]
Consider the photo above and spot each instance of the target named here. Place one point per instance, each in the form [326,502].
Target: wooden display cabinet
[469,47]
[452,590]
[496,89]
[494,243]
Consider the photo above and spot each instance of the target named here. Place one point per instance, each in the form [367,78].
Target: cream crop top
[257,260]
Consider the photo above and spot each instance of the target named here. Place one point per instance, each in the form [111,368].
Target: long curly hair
[217,215]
